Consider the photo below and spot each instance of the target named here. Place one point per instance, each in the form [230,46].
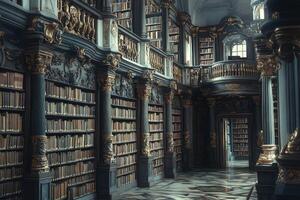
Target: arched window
[239,49]
[259,12]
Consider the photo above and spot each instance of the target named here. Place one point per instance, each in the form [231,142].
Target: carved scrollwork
[39,159]
[39,61]
[156,96]
[112,61]
[107,81]
[144,92]
[123,87]
[293,145]
[148,75]
[267,64]
[108,155]
[52,33]
[170,142]
[146,145]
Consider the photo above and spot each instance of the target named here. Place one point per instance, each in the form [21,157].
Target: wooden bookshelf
[124,139]
[156,128]
[177,136]
[174,38]
[240,138]
[70,113]
[122,10]
[206,50]
[154,22]
[12,108]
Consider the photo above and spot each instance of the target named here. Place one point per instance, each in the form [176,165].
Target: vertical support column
[38,181]
[182,19]
[187,118]
[165,24]
[257,136]
[212,133]
[266,165]
[106,166]
[195,43]
[170,157]
[139,18]
[144,158]
[105,6]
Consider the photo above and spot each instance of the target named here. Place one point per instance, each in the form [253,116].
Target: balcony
[227,77]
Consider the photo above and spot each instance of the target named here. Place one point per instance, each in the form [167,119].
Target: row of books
[61,108]
[176,119]
[240,120]
[122,149]
[158,170]
[178,142]
[11,100]
[177,135]
[155,116]
[11,142]
[157,153]
[11,80]
[127,23]
[59,190]
[156,108]
[240,126]
[9,173]
[77,169]
[240,141]
[206,57]
[156,127]
[206,50]
[178,150]
[124,137]
[119,5]
[176,111]
[124,126]
[126,160]
[125,180]
[10,187]
[122,102]
[158,162]
[176,126]
[123,15]
[10,122]
[156,136]
[123,113]
[206,62]
[156,42]
[125,170]
[152,7]
[206,44]
[156,145]
[11,158]
[206,39]
[69,93]
[82,189]
[60,125]
[70,141]
[67,156]
[153,20]
[154,35]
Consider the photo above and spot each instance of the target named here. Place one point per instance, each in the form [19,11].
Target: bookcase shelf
[240,138]
[156,129]
[124,139]
[70,114]
[177,135]
[206,50]
[12,110]
[123,12]
[174,38]
[154,22]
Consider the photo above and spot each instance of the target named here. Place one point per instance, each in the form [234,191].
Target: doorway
[236,141]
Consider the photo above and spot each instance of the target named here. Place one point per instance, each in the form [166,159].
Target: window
[239,49]
[259,12]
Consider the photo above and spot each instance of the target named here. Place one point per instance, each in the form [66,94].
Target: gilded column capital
[106,81]
[169,97]
[267,64]
[112,60]
[38,61]
[148,75]
[39,159]
[144,91]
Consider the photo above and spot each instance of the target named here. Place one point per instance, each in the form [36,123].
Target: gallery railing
[157,60]
[128,45]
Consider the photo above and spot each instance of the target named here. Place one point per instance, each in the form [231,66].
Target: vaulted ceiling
[210,12]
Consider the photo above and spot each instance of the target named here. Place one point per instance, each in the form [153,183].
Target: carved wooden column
[212,134]
[170,157]
[183,18]
[165,4]
[37,182]
[187,119]
[195,46]
[144,157]
[139,17]
[106,166]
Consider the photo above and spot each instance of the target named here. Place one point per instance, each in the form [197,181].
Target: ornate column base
[145,166]
[37,186]
[106,181]
[288,182]
[170,165]
[267,171]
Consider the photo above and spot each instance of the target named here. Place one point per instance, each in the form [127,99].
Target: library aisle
[232,183]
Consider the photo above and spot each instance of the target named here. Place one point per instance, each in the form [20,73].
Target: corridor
[232,183]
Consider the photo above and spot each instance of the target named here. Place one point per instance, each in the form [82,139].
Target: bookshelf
[123,12]
[124,139]
[70,113]
[206,50]
[154,22]
[12,109]
[276,110]
[156,129]
[177,136]
[174,38]
[240,138]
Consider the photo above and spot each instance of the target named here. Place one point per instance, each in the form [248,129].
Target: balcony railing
[157,60]
[77,20]
[128,45]
[224,70]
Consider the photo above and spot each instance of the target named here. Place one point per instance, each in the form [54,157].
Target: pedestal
[144,171]
[170,165]
[40,183]
[106,181]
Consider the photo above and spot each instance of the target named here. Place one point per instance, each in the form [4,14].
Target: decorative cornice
[267,64]
[112,61]
[268,154]
[39,61]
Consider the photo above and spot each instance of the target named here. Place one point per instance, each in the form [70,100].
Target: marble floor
[232,183]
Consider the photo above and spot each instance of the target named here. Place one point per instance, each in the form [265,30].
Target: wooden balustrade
[128,46]
[77,20]
[157,61]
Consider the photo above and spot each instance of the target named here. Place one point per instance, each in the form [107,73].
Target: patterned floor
[233,183]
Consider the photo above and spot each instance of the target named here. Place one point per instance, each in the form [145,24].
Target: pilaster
[212,146]
[165,4]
